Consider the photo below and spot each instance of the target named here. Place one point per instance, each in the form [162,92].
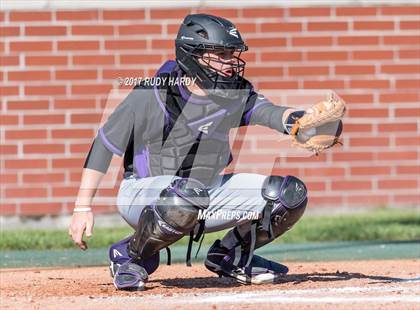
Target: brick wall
[58,66]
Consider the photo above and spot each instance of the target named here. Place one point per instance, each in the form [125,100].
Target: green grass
[374,225]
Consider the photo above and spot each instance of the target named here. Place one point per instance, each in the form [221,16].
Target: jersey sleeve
[116,131]
[260,111]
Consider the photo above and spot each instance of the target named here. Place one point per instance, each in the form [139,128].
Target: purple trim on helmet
[248,114]
[108,144]
[188,98]
[141,160]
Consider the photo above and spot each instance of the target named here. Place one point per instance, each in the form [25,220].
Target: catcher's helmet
[200,34]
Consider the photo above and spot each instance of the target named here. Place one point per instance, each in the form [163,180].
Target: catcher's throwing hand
[320,126]
[81,222]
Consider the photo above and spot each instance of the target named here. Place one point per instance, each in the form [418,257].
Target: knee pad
[173,216]
[286,201]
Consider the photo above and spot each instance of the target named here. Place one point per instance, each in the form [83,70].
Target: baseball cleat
[220,260]
[130,276]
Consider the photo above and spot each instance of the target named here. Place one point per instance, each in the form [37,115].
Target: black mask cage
[231,67]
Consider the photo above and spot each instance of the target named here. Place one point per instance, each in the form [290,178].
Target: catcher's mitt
[320,127]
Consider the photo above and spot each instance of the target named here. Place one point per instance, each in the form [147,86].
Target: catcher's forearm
[88,187]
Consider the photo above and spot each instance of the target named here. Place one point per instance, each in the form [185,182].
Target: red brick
[404,198]
[355,11]
[44,119]
[327,84]
[65,191]
[368,141]
[400,10]
[264,71]
[397,127]
[327,56]
[280,27]
[308,70]
[354,69]
[278,85]
[92,30]
[46,60]
[407,54]
[29,16]
[266,42]
[8,209]
[409,24]
[90,118]
[80,148]
[400,141]
[357,98]
[352,156]
[262,12]
[27,105]
[25,134]
[323,172]
[11,178]
[123,14]
[9,31]
[9,60]
[68,163]
[368,199]
[310,11]
[145,29]
[400,39]
[76,45]
[281,56]
[312,41]
[327,26]
[395,69]
[36,75]
[400,156]
[21,164]
[94,60]
[351,185]
[358,40]
[140,59]
[72,133]
[76,74]
[74,104]
[8,119]
[114,73]
[169,14]
[370,113]
[45,30]
[8,149]
[407,112]
[400,183]
[408,170]
[163,44]
[125,44]
[315,186]
[407,83]
[41,209]
[43,148]
[28,46]
[9,90]
[225,13]
[373,25]
[370,170]
[377,54]
[90,89]
[50,90]
[43,177]
[76,15]
[325,200]
[375,84]
[399,97]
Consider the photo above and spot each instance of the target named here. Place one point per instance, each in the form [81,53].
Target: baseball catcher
[175,143]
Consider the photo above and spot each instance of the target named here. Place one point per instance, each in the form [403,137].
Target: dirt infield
[388,284]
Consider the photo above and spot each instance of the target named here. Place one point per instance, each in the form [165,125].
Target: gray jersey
[169,131]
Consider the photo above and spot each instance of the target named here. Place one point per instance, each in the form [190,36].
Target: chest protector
[194,140]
